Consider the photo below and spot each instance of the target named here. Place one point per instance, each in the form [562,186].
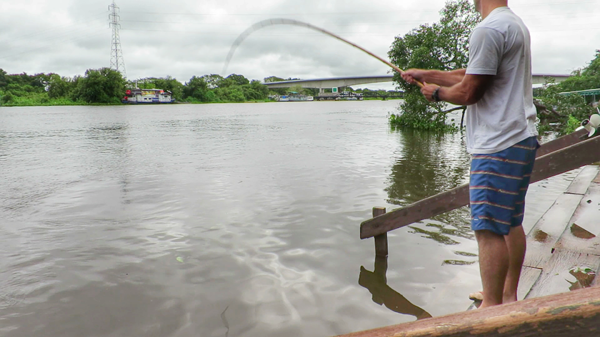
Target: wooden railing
[555,157]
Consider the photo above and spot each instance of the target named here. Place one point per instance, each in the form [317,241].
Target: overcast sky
[183,38]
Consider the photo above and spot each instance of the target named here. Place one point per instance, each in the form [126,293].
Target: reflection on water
[465,254]
[427,166]
[436,236]
[458,262]
[443,233]
[216,220]
[376,282]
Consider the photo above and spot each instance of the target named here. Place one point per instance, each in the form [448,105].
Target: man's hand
[427,91]
[413,75]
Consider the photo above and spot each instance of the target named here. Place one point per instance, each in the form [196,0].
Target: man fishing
[501,137]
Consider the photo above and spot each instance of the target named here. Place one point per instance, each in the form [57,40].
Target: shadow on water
[429,163]
[376,282]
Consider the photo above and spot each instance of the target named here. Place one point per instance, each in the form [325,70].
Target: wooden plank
[559,276]
[583,232]
[580,184]
[529,277]
[547,231]
[423,209]
[567,159]
[561,142]
[568,314]
[546,166]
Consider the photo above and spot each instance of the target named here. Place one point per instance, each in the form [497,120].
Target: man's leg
[493,265]
[516,244]
[516,240]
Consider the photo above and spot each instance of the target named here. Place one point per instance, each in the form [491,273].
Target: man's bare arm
[445,78]
[466,92]
[439,77]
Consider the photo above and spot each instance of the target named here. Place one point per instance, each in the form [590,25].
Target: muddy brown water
[226,220]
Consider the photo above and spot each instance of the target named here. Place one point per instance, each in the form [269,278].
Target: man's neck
[487,6]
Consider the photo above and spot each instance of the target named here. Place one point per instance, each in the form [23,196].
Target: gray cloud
[183,38]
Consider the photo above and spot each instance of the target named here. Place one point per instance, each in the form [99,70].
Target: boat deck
[563,247]
[563,254]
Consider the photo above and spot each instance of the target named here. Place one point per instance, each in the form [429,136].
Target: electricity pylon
[116,54]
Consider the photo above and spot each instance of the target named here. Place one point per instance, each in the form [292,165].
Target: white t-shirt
[500,45]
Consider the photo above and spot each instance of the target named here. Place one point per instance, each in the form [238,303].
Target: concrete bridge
[337,82]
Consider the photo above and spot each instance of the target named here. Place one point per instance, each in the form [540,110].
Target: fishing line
[273,22]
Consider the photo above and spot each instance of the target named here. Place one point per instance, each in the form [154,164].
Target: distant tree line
[107,86]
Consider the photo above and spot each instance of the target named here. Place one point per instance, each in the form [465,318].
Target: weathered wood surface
[547,231]
[528,278]
[549,235]
[580,184]
[583,231]
[560,161]
[559,274]
[576,313]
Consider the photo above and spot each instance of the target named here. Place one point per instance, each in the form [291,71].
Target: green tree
[442,45]
[196,88]
[3,79]
[100,86]
[6,98]
[562,112]
[170,84]
[238,79]
[255,91]
[60,86]
[230,94]
[297,89]
[213,80]
[273,79]
[586,78]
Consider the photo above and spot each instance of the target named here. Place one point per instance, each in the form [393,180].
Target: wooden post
[381,243]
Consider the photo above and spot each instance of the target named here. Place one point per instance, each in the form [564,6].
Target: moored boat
[147,96]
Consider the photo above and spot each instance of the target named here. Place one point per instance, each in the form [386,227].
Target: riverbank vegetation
[444,46]
[107,86]
[559,108]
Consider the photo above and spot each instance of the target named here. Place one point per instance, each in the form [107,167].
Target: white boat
[147,96]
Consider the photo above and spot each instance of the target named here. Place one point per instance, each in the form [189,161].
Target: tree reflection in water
[428,163]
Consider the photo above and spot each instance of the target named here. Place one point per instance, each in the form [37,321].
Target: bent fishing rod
[273,22]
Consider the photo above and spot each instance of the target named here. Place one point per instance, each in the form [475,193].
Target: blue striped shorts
[498,186]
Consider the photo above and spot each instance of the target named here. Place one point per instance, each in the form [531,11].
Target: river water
[226,220]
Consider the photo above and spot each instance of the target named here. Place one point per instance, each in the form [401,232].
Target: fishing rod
[272,22]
